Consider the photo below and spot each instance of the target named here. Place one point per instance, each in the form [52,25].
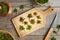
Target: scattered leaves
[32,21]
[29,27]
[21,27]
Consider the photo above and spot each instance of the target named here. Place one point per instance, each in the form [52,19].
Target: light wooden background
[5,23]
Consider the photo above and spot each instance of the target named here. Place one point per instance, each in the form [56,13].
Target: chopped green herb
[55,32]
[42,1]
[25,22]
[35,13]
[21,19]
[58,27]
[21,7]
[21,27]
[32,21]
[15,10]
[38,21]
[38,17]
[4,8]
[29,15]
[29,27]
[53,38]
[5,36]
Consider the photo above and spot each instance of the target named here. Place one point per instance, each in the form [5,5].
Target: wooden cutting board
[37,25]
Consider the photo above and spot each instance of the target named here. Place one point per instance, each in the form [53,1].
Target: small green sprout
[21,27]
[21,7]
[15,10]
[21,19]
[35,13]
[38,21]
[29,27]
[32,21]
[25,22]
[29,15]
[38,17]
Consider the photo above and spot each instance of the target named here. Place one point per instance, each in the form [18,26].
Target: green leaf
[29,15]
[55,32]
[58,27]
[35,13]
[38,17]
[53,38]
[21,27]
[25,22]
[15,10]
[38,21]
[21,19]
[32,21]
[29,27]
[21,7]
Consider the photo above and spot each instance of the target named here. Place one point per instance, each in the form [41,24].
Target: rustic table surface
[5,23]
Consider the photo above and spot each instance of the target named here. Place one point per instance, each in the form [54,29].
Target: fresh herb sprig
[21,19]
[21,27]
[38,21]
[35,13]
[29,27]
[25,22]
[30,15]
[21,7]
[32,21]
[15,10]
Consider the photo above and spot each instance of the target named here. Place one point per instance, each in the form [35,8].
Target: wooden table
[5,23]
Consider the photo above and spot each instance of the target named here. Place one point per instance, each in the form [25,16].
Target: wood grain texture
[39,34]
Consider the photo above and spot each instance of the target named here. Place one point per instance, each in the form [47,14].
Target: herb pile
[56,32]
[42,1]
[5,36]
[31,21]
[4,8]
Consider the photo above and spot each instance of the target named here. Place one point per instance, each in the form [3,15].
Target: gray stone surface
[5,23]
